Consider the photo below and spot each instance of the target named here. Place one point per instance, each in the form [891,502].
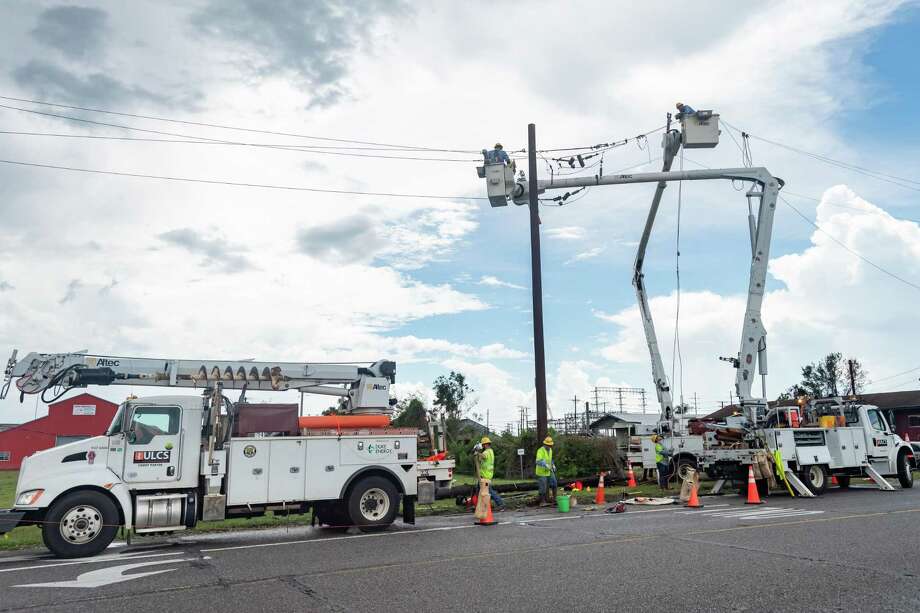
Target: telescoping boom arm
[752,352]
[365,387]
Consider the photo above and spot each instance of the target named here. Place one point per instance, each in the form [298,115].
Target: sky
[174,269]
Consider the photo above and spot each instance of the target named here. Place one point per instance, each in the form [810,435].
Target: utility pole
[696,408]
[536,281]
[852,365]
[620,398]
[642,399]
[597,402]
[575,402]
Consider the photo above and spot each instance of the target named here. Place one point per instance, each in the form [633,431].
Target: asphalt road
[856,550]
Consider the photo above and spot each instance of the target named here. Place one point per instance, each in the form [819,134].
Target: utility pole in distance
[536,282]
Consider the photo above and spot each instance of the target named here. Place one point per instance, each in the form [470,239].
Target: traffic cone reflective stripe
[630,476]
[694,502]
[753,496]
[599,497]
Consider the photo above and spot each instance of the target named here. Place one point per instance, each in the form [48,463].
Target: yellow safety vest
[547,456]
[487,464]
[659,456]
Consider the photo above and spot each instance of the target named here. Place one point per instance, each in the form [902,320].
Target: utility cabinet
[700,130]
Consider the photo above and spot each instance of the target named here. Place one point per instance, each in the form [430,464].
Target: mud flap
[408,514]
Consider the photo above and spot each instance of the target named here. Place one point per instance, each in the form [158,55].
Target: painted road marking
[110,575]
[764,513]
[109,558]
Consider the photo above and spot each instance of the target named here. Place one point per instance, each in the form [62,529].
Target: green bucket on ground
[563,504]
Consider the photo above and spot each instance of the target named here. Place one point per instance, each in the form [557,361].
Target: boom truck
[806,446]
[168,462]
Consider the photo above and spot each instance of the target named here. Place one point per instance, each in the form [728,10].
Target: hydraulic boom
[364,387]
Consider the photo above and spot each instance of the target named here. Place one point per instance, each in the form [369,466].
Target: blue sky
[124,266]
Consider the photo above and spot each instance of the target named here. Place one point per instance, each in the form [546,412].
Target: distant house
[469,425]
[67,421]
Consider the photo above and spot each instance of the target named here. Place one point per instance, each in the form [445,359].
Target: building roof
[612,420]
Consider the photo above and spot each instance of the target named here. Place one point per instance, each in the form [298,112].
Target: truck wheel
[80,524]
[815,478]
[843,482]
[373,503]
[905,471]
[684,466]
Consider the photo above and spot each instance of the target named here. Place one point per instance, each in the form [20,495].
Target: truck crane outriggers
[167,462]
[860,442]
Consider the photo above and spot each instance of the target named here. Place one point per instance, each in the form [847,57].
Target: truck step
[796,483]
[879,479]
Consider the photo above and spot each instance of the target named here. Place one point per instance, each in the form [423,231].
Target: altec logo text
[152,457]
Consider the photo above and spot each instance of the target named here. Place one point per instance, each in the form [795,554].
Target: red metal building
[67,421]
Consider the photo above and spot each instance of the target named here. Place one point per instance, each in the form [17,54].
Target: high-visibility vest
[547,456]
[659,456]
[487,464]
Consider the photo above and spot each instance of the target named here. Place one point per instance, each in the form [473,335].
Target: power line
[188,141]
[235,183]
[838,241]
[386,146]
[881,176]
[228,127]
[847,247]
[874,381]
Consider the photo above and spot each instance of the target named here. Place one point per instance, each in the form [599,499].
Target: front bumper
[9,519]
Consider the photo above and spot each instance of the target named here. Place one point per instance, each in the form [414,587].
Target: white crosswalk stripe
[752,513]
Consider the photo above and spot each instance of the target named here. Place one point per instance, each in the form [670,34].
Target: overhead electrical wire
[386,146]
[230,127]
[298,188]
[836,240]
[881,176]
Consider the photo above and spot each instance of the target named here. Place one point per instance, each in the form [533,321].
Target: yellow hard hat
[548,441]
[498,145]
[486,440]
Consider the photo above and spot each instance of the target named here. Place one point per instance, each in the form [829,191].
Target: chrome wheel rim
[375,504]
[81,524]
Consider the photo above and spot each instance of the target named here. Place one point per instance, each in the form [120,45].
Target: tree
[450,396]
[411,412]
[829,376]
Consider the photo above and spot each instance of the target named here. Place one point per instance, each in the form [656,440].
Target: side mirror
[131,435]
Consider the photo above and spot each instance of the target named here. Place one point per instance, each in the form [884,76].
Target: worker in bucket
[684,109]
[546,471]
[487,470]
[662,461]
[496,155]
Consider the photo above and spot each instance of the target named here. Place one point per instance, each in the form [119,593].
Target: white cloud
[567,233]
[493,281]
[586,255]
[829,300]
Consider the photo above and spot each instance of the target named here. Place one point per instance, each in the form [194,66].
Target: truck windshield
[117,422]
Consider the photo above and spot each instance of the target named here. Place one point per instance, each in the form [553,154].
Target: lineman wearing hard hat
[662,462]
[546,471]
[487,470]
[497,155]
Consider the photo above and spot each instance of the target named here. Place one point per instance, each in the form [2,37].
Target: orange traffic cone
[834,480]
[489,520]
[631,478]
[694,502]
[599,497]
[753,494]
